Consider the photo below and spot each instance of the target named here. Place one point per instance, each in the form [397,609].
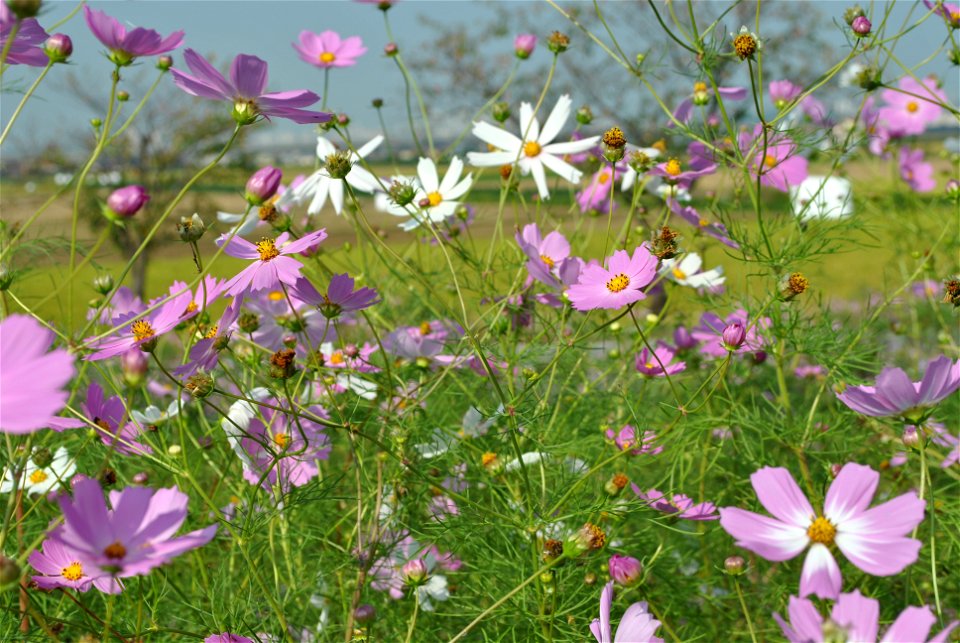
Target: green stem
[23,101]
[746,612]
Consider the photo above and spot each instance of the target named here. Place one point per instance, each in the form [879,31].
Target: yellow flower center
[142,330]
[604,178]
[673,167]
[679,274]
[212,332]
[425,328]
[38,476]
[531,149]
[703,223]
[618,283]
[699,87]
[327,57]
[821,531]
[912,106]
[281,440]
[275,295]
[191,308]
[769,161]
[267,249]
[648,365]
[73,571]
[115,550]
[434,198]
[547,260]
[744,45]
[337,358]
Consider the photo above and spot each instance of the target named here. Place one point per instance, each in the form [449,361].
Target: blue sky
[267,29]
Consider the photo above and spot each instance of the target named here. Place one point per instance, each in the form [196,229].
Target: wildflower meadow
[447,321]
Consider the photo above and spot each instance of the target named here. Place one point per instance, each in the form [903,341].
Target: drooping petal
[821,574]
[249,75]
[858,615]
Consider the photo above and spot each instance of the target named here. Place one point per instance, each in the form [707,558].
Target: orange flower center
[275,295]
[425,328]
[142,330]
[604,178]
[212,332]
[618,283]
[38,476]
[115,550]
[73,571]
[281,440]
[434,198]
[673,167]
[679,274]
[531,149]
[912,106]
[547,260]
[821,531]
[769,161]
[327,57]
[699,87]
[267,249]
[337,358]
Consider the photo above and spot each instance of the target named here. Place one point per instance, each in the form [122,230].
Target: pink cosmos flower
[387,572]
[710,333]
[779,165]
[636,625]
[109,415]
[327,50]
[678,504]
[205,353]
[689,214]
[273,265]
[658,363]
[282,319]
[617,285]
[915,172]
[133,535]
[910,110]
[339,298]
[31,378]
[701,96]
[283,450]
[424,342]
[60,566]
[245,89]
[858,618]
[949,12]
[627,438]
[673,173]
[895,395]
[874,540]
[547,256]
[596,196]
[227,637]
[351,357]
[124,46]
[27,45]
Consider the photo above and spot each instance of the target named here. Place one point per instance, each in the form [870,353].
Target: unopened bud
[501,111]
[377,104]
[343,120]
[414,572]
[625,570]
[103,283]
[199,385]
[42,457]
[391,49]
[9,571]
[58,47]
[861,26]
[123,96]
[164,63]
[364,613]
[852,13]
[6,276]
[191,229]
[584,115]
[911,437]
[141,478]
[734,565]
[953,189]
[262,185]
[558,42]
[733,336]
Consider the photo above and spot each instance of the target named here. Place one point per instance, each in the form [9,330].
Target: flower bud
[123,96]
[199,385]
[584,115]
[587,538]
[952,292]
[795,284]
[911,437]
[835,469]
[24,8]
[501,111]
[9,571]
[861,26]
[524,44]
[58,47]
[364,613]
[248,322]
[616,484]
[625,570]
[734,565]
[869,79]
[558,42]
[6,276]
[613,144]
[263,185]
[852,13]
[126,202]
[953,189]
[414,572]
[343,120]
[134,365]
[282,364]
[377,104]
[589,579]
[954,56]
[42,457]
[640,58]
[391,49]
[338,164]
[191,229]
[141,478]
[103,283]
[107,477]
[733,336]
[164,63]
[401,193]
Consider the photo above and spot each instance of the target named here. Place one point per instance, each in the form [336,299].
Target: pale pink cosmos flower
[32,377]
[283,450]
[340,296]
[875,540]
[895,395]
[327,49]
[143,330]
[59,566]
[109,415]
[778,165]
[636,625]
[912,108]
[617,285]
[548,257]
[858,618]
[659,362]
[27,45]
[678,504]
[596,196]
[273,266]
[125,45]
[638,443]
[915,172]
[131,536]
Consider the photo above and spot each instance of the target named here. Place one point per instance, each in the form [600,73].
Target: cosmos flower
[283,450]
[627,438]
[109,416]
[436,200]
[686,272]
[205,353]
[32,377]
[548,257]
[144,330]
[227,637]
[617,285]
[534,149]
[273,264]
[673,173]
[858,619]
[387,572]
[245,90]
[318,186]
[339,298]
[327,49]
[125,46]
[895,395]
[131,536]
[874,540]
[678,504]
[946,10]
[636,624]
[701,96]
[596,195]
[41,479]
[910,108]
[822,197]
[27,45]
[710,333]
[281,318]
[915,172]
[778,165]
[60,566]
[659,363]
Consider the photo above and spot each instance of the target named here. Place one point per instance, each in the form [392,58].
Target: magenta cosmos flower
[659,362]
[714,229]
[858,618]
[895,395]
[678,504]
[713,333]
[227,637]
[911,108]
[273,265]
[133,535]
[27,45]
[60,566]
[915,172]
[636,625]
[949,12]
[125,46]
[145,331]
[617,285]
[779,166]
[673,173]
[109,416]
[339,298]
[327,49]
[245,89]
[547,256]
[283,450]
[638,442]
[875,540]
[31,378]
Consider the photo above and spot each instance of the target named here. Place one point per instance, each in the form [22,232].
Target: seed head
[746,43]
[558,42]
[282,366]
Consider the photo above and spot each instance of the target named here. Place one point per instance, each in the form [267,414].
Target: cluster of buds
[664,245]
[558,42]
[795,284]
[746,43]
[613,145]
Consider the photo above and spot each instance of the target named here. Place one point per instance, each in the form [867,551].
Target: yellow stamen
[267,249]
[337,358]
[275,295]
[425,328]
[73,571]
[604,178]
[434,198]
[547,260]
[618,283]
[142,330]
[282,440]
[673,167]
[699,87]
[531,149]
[679,274]
[327,57]
[703,223]
[212,332]
[821,531]
[38,476]
[648,365]
[192,307]
[769,161]
[912,106]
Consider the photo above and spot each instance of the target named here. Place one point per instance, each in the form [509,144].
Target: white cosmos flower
[828,197]
[439,197]
[534,150]
[153,416]
[666,191]
[42,479]
[318,186]
[686,272]
[237,423]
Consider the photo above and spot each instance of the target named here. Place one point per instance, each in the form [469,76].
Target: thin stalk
[23,102]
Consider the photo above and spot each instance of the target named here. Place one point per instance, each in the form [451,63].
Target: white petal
[571,147]
[427,172]
[459,189]
[370,145]
[564,169]
[336,196]
[539,176]
[491,159]
[324,148]
[529,127]
[499,138]
[556,120]
[450,179]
